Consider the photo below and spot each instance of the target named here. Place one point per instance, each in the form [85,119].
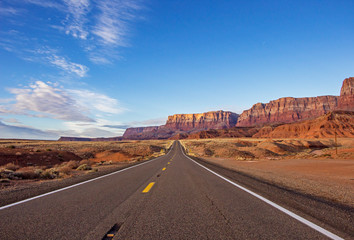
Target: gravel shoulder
[331,179]
[331,215]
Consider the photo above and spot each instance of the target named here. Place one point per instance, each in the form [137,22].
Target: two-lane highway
[171,197]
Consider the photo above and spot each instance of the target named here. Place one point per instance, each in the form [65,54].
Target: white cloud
[100,128]
[78,108]
[112,23]
[97,101]
[47,55]
[6,11]
[45,4]
[76,18]
[150,122]
[71,67]
[102,26]
[52,101]
[99,60]
[43,100]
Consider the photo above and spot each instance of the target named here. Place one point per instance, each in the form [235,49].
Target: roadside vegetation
[44,160]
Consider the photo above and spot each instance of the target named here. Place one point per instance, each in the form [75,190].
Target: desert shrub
[11,146]
[72,164]
[208,152]
[48,150]
[86,161]
[65,170]
[49,174]
[94,170]
[27,173]
[84,167]
[11,166]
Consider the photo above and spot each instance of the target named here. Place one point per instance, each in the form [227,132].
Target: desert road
[170,197]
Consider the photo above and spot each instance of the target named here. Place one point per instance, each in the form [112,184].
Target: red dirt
[28,157]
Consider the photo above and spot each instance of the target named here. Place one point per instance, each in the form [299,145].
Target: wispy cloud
[71,67]
[46,4]
[101,26]
[100,128]
[11,120]
[97,101]
[9,131]
[113,21]
[76,18]
[6,11]
[47,55]
[150,122]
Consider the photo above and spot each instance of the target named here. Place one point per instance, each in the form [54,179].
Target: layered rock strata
[288,109]
[208,120]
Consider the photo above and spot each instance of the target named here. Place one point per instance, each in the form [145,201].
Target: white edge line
[78,184]
[291,214]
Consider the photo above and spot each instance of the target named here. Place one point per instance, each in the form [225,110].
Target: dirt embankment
[309,166]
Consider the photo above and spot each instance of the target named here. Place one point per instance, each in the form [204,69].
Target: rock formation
[346,98]
[337,122]
[222,123]
[143,133]
[235,132]
[208,120]
[182,123]
[288,109]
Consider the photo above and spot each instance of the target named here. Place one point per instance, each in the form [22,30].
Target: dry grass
[11,166]
[53,159]
[263,149]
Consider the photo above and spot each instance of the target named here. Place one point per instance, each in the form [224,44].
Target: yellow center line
[110,235]
[164,169]
[168,163]
[148,187]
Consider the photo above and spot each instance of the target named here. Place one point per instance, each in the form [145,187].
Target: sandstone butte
[288,109]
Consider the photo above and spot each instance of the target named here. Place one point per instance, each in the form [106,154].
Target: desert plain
[322,168]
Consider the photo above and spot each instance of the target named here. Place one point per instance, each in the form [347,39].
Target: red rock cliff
[208,120]
[346,99]
[286,110]
[129,132]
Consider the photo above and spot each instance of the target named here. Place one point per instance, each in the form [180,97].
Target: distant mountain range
[250,122]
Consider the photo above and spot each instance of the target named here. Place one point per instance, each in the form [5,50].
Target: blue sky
[92,68]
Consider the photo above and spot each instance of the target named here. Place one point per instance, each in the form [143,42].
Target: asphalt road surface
[171,197]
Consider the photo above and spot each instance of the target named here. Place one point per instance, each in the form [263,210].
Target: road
[171,197]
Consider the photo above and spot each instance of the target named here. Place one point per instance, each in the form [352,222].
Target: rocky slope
[208,120]
[235,132]
[338,122]
[286,110]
